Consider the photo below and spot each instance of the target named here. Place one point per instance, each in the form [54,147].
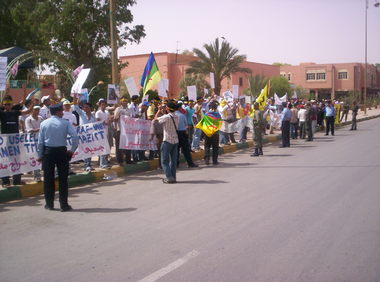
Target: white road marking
[171,267]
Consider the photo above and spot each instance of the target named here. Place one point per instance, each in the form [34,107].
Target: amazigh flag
[262,99]
[210,123]
[151,75]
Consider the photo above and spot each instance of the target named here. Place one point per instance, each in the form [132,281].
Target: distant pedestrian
[212,141]
[309,122]
[302,121]
[355,110]
[293,122]
[258,124]
[52,150]
[330,118]
[285,125]
[346,109]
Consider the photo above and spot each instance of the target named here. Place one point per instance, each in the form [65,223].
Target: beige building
[333,80]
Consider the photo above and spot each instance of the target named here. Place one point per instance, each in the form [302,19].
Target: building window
[283,74]
[321,76]
[310,76]
[289,76]
[342,75]
[240,81]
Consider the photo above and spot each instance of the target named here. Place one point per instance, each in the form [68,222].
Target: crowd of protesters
[296,118]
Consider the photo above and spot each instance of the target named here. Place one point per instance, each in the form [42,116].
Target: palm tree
[256,83]
[194,79]
[221,59]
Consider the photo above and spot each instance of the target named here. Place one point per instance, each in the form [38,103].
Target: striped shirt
[170,132]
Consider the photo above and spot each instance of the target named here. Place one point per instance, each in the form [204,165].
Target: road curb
[80,179]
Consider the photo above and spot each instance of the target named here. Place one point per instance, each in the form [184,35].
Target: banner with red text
[135,134]
[18,152]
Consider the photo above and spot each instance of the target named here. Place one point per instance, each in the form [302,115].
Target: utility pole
[115,68]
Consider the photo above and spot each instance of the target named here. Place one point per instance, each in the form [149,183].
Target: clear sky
[267,31]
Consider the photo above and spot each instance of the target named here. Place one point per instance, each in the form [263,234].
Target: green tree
[256,83]
[221,59]
[280,64]
[279,85]
[76,31]
[194,79]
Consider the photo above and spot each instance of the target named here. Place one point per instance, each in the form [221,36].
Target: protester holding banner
[45,112]
[169,147]
[52,150]
[189,107]
[85,116]
[157,131]
[198,116]
[9,117]
[67,113]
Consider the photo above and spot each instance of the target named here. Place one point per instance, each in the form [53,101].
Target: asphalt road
[306,213]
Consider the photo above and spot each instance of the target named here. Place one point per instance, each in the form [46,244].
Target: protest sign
[77,86]
[83,97]
[228,96]
[3,73]
[135,134]
[131,86]
[111,94]
[235,91]
[163,87]
[18,152]
[192,92]
[212,80]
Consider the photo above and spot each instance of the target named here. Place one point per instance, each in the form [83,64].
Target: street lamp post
[376,4]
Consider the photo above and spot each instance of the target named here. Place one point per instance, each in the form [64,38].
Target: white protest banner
[135,134]
[295,96]
[235,91]
[278,100]
[192,92]
[18,152]
[111,94]
[78,84]
[92,141]
[248,99]
[212,80]
[131,86]
[205,90]
[3,73]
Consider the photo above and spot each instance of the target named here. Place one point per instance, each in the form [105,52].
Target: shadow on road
[201,182]
[277,155]
[104,210]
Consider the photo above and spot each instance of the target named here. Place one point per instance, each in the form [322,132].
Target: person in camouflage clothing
[258,125]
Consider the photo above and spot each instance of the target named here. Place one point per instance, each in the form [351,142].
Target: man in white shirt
[68,114]
[32,125]
[302,121]
[44,111]
[104,116]
[169,146]
[120,111]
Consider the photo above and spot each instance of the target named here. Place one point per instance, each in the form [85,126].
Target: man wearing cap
[169,146]
[44,111]
[67,113]
[52,150]
[32,125]
[9,117]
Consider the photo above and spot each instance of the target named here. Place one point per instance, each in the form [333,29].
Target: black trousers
[184,146]
[330,125]
[16,179]
[52,157]
[121,152]
[285,133]
[213,142]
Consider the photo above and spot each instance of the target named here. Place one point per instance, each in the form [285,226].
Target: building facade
[173,67]
[333,80]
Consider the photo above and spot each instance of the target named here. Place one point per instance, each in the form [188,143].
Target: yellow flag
[262,99]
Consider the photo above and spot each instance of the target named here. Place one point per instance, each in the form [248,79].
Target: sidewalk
[32,188]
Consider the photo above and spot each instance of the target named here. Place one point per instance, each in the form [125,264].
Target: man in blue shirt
[330,117]
[52,150]
[285,125]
